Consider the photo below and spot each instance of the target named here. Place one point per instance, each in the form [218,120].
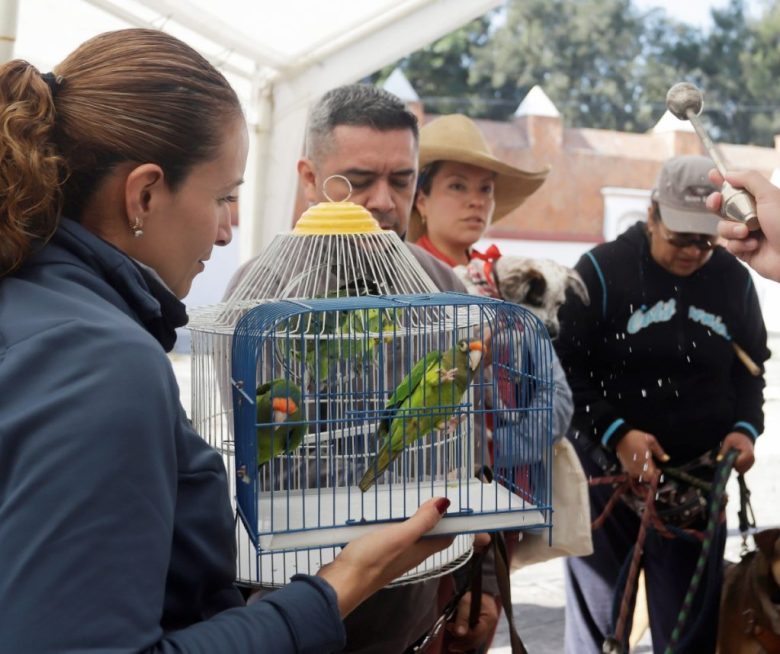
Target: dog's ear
[537,287]
[575,283]
[765,542]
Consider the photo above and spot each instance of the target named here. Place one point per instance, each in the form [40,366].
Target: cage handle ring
[325,187]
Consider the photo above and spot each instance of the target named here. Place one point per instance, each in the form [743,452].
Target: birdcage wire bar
[308,498]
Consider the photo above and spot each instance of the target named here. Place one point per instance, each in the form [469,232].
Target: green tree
[582,53]
[606,64]
[759,79]
[440,72]
[671,53]
[726,50]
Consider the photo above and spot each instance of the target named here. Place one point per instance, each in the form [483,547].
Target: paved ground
[537,591]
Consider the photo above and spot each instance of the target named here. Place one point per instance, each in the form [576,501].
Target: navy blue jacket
[654,351]
[116,532]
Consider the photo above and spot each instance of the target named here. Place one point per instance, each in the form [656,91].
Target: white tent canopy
[280,56]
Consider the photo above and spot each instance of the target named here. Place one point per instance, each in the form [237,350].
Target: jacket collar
[154,306]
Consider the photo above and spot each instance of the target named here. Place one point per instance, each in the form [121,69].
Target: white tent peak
[536,103]
[280,57]
[671,123]
[399,85]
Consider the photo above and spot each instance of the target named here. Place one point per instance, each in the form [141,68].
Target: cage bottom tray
[316,518]
[273,569]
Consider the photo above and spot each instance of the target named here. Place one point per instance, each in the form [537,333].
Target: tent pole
[9,13]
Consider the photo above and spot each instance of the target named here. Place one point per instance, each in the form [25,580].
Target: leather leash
[617,643]
[502,574]
[451,607]
[475,586]
[716,506]
[747,519]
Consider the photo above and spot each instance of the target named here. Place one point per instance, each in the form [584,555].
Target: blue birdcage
[335,434]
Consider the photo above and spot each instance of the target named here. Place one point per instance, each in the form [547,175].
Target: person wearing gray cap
[665,366]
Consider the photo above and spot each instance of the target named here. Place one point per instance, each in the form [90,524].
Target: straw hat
[457,138]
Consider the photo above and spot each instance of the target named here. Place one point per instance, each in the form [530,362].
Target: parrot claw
[448,375]
[452,424]
[241,473]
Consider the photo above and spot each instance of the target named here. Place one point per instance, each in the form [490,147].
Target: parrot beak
[475,354]
[280,416]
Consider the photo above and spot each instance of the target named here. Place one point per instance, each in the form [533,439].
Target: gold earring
[138,232]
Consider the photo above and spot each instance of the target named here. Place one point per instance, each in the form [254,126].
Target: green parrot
[278,402]
[319,351]
[362,348]
[320,357]
[437,381]
[342,337]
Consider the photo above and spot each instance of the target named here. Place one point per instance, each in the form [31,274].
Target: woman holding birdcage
[116,531]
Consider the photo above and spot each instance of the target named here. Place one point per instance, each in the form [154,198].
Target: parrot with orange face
[280,422]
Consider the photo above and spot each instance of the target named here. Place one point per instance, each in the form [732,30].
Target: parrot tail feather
[376,468]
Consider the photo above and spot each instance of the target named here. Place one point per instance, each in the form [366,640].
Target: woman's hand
[374,560]
[761,249]
[736,440]
[636,451]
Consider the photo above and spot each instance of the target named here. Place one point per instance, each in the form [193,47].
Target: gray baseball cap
[680,191]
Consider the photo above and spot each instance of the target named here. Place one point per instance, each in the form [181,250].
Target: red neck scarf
[425,243]
[480,271]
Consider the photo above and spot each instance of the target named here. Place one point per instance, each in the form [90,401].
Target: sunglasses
[703,242]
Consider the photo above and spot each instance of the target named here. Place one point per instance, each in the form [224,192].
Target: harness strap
[747,519]
[717,503]
[450,609]
[619,640]
[476,596]
[475,585]
[502,574]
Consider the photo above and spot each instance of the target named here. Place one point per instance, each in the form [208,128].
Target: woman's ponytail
[30,166]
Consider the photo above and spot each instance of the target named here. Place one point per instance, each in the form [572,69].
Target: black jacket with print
[654,351]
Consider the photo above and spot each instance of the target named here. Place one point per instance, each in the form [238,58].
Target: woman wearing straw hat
[462,188]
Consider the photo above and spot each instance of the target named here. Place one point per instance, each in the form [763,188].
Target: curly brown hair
[29,164]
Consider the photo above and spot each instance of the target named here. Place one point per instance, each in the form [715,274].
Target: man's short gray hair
[358,105]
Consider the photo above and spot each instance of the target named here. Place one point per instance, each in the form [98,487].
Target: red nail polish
[442,504]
